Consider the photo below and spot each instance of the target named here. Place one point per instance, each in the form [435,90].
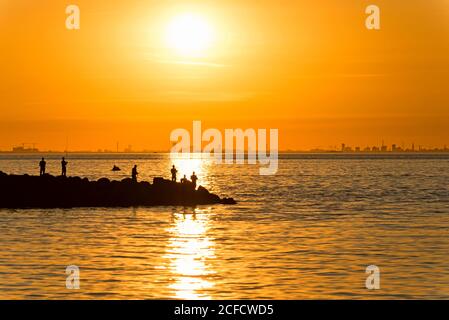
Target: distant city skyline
[31,148]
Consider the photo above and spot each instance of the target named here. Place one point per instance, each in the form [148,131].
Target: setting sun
[189,35]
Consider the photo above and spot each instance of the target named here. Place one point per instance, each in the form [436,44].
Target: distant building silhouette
[24,149]
[344,148]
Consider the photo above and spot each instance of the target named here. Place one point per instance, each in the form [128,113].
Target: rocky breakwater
[25,191]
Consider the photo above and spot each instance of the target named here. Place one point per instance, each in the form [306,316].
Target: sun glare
[190,35]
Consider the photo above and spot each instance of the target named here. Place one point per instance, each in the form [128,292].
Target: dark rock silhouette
[25,191]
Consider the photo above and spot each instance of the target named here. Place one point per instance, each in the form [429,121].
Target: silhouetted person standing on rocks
[194,179]
[184,180]
[173,173]
[42,165]
[134,173]
[63,167]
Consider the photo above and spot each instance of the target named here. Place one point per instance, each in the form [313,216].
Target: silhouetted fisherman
[64,167]
[173,173]
[42,165]
[134,173]
[194,179]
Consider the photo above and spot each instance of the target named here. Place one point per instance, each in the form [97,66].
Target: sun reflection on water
[189,250]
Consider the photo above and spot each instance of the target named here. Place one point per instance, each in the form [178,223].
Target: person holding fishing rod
[64,167]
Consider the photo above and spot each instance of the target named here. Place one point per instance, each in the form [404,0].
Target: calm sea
[308,232]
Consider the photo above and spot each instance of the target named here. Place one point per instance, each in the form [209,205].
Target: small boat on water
[115,168]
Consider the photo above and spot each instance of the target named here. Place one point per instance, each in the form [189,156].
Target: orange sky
[309,68]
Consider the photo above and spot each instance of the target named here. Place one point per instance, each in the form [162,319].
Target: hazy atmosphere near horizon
[312,70]
[226,149]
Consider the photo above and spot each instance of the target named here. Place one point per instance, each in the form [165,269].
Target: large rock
[24,191]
